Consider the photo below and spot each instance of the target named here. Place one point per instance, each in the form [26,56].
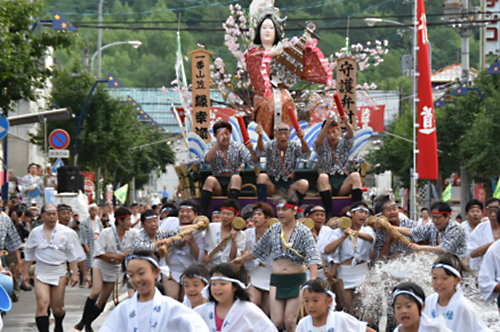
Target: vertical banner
[480,193]
[200,60]
[346,87]
[490,32]
[427,160]
[89,179]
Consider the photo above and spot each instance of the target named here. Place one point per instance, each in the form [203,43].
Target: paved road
[22,316]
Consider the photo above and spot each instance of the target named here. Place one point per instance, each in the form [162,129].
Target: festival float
[290,82]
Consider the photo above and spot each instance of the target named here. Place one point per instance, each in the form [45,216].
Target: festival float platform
[248,193]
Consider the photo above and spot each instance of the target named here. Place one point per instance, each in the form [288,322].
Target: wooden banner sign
[346,87]
[200,60]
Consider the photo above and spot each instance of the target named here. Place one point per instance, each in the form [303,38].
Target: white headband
[450,268]
[163,269]
[236,281]
[150,217]
[328,292]
[398,292]
[187,207]
[360,208]
[149,259]
[51,209]
[195,276]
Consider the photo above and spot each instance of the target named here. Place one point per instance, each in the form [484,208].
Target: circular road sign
[59,139]
[88,187]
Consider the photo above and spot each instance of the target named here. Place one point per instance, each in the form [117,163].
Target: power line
[287,20]
[203,29]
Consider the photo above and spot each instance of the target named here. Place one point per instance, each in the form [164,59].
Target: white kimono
[427,324]
[479,237]
[243,316]
[322,240]
[107,242]
[353,275]
[161,314]
[51,257]
[336,321]
[212,239]
[180,258]
[489,274]
[260,276]
[468,230]
[460,314]
[187,302]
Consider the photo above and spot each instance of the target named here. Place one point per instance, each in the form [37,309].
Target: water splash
[375,294]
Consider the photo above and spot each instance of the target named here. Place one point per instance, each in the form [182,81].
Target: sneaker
[24,288]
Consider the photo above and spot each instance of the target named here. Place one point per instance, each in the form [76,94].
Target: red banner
[480,192]
[427,160]
[217,112]
[372,116]
[89,176]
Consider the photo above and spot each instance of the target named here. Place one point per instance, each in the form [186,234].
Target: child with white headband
[148,310]
[195,283]
[319,303]
[229,307]
[408,304]
[449,301]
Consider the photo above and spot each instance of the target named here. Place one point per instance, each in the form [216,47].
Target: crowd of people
[267,272]
[269,276]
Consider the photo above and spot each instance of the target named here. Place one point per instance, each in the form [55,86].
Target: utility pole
[457,13]
[465,33]
[99,40]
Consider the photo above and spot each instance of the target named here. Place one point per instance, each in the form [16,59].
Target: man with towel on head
[349,252]
[188,251]
[293,249]
[111,248]
[51,246]
[282,156]
[333,149]
[225,158]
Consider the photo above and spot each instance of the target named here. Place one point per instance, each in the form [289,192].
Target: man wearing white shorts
[51,246]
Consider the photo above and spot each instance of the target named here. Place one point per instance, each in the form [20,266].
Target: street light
[135,44]
[371,21]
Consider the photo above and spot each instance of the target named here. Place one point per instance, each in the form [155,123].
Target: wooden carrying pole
[238,224]
[201,222]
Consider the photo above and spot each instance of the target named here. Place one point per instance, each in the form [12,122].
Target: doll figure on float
[273,69]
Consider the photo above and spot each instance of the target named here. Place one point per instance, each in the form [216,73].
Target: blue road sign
[59,139]
[57,164]
[4,127]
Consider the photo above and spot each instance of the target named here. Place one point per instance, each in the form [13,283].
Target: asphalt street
[21,318]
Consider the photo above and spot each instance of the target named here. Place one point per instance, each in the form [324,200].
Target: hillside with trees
[155,23]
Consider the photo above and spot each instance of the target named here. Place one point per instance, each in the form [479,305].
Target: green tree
[22,72]
[109,129]
[395,154]
[479,147]
[152,65]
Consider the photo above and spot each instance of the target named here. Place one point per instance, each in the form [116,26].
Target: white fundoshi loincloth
[260,278]
[50,274]
[353,276]
[109,271]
